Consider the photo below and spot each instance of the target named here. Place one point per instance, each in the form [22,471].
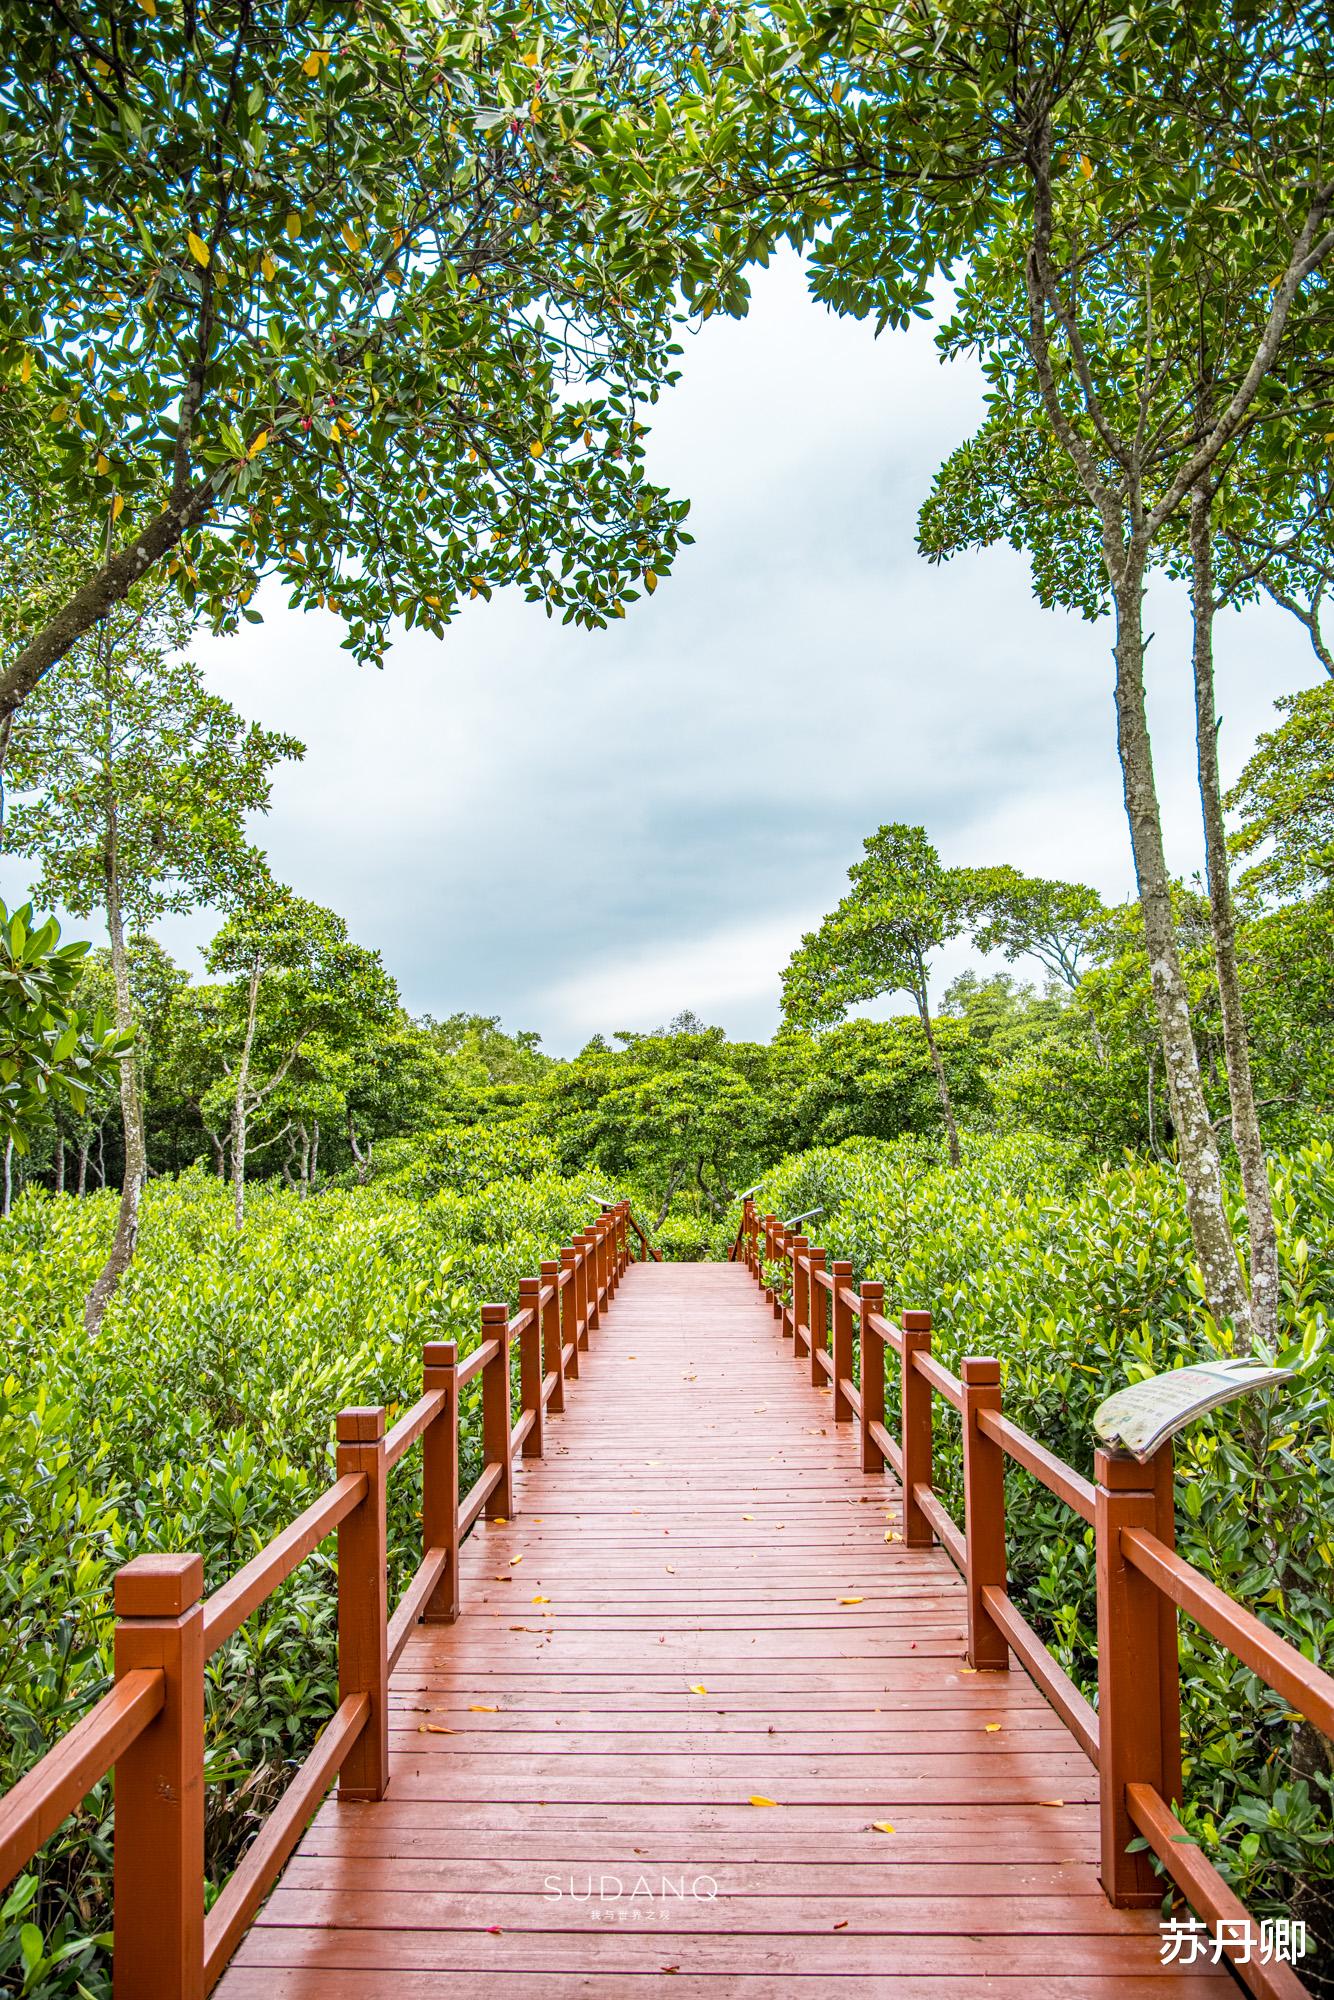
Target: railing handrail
[167,1946]
[1131,1510]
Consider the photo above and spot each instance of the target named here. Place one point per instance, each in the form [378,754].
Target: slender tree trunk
[60,1157]
[9,1178]
[1201,1167]
[240,1102]
[942,1081]
[101,1161]
[1236,1041]
[131,1106]
[219,1153]
[314,1155]
[362,1160]
[82,1186]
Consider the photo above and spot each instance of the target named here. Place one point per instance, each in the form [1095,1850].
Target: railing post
[553,1359]
[604,1260]
[496,1419]
[569,1310]
[363,1603]
[530,1365]
[747,1209]
[159,1823]
[1162,1466]
[818,1320]
[592,1238]
[780,1257]
[440,1478]
[841,1316]
[770,1226]
[1132,1714]
[582,1286]
[873,1375]
[984,1512]
[915,1405]
[801,1296]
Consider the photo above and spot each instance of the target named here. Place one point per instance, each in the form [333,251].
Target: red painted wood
[697,1522]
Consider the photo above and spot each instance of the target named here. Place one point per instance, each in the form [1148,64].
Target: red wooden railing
[1133,1737]
[150,1726]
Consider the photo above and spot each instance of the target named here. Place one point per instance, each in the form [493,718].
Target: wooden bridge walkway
[700,1606]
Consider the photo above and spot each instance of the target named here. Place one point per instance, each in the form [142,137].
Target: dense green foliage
[201,1418]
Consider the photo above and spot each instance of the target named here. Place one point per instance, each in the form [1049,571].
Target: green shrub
[200,1418]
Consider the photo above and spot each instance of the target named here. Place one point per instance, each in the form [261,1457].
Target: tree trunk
[9,1178]
[314,1156]
[59,1162]
[1236,1041]
[240,1103]
[219,1153]
[942,1081]
[1197,1152]
[362,1160]
[82,1186]
[131,1107]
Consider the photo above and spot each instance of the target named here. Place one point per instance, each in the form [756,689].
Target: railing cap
[494,1311]
[915,1321]
[362,1424]
[981,1371]
[440,1353]
[1117,1472]
[158,1586]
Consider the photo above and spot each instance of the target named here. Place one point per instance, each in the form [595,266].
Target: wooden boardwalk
[696,1607]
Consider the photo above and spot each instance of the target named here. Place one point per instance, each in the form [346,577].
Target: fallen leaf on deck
[842,1926]
[991,1728]
[1051,1802]
[542,1600]
[671,1569]
[697,1687]
[515,1559]
[852,1600]
[881,1826]
[482,1708]
[756,1800]
[434,1729]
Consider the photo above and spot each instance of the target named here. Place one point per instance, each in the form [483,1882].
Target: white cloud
[589,831]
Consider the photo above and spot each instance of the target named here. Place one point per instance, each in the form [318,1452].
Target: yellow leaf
[535,110]
[650,582]
[267,265]
[852,1600]
[293,225]
[25,368]
[311,65]
[150,8]
[881,1826]
[482,1708]
[514,1560]
[697,1687]
[103,465]
[498,1521]
[540,1600]
[991,1727]
[748,1517]
[531,61]
[118,507]
[1051,1802]
[1086,166]
[350,237]
[433,1729]
[756,1800]
[890,1536]
[261,439]
[198,248]
[537,448]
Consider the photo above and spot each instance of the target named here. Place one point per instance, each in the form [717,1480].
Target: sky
[593,831]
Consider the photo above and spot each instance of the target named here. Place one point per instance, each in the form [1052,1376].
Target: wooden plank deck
[697,1524]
